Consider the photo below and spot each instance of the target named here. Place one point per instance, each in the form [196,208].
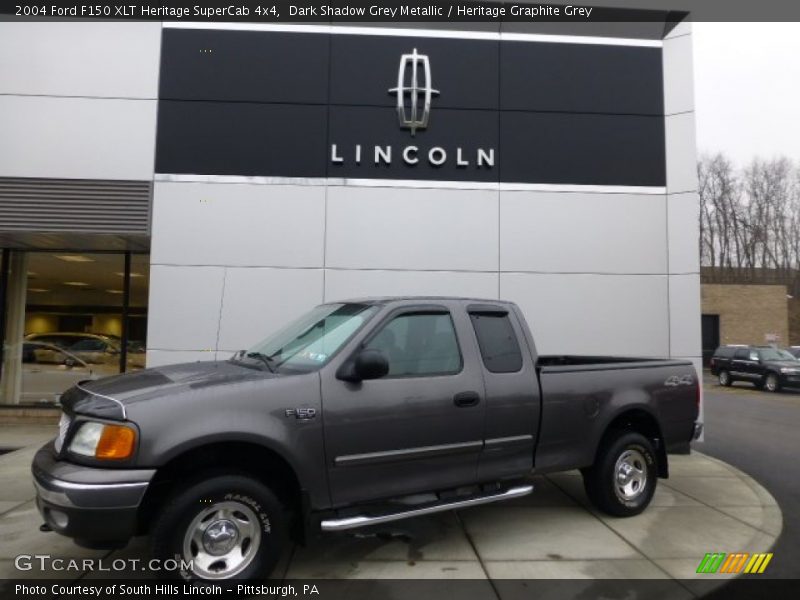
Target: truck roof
[388,299]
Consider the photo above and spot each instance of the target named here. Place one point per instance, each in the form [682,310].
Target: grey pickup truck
[359,413]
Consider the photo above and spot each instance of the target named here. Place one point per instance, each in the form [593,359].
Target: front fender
[252,412]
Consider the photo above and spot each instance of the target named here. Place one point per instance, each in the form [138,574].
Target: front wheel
[623,479]
[223,527]
[772,383]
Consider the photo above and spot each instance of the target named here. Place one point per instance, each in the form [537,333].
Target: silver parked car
[93,348]
[44,381]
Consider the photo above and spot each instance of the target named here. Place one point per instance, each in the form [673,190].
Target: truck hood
[108,397]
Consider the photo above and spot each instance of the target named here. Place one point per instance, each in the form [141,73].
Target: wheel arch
[642,421]
[256,460]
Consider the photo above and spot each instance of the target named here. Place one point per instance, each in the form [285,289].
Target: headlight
[101,440]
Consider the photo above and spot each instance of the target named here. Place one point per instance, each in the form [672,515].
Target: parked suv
[763,366]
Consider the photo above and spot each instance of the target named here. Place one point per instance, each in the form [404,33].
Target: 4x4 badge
[676,380]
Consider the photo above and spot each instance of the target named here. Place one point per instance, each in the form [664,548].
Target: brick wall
[748,313]
[794,321]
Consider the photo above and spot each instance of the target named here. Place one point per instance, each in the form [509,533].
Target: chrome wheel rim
[630,475]
[723,378]
[222,540]
[772,383]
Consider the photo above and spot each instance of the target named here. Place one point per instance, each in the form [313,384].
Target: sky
[747,89]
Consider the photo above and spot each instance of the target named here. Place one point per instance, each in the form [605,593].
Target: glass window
[775,354]
[497,342]
[742,354]
[724,352]
[419,344]
[88,345]
[310,341]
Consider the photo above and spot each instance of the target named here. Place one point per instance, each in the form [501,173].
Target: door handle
[465,399]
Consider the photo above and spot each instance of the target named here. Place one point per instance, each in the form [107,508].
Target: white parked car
[44,381]
[93,348]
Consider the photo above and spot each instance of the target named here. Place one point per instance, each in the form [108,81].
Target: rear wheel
[228,526]
[724,378]
[772,383]
[623,479]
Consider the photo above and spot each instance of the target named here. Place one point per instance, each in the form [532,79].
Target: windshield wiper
[267,360]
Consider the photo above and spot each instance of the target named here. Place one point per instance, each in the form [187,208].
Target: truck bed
[565,362]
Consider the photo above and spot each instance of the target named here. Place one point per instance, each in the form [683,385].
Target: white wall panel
[678,75]
[592,314]
[344,284]
[402,228]
[681,153]
[238,224]
[684,232]
[258,302]
[684,315]
[159,358]
[582,233]
[77,138]
[184,307]
[682,28]
[112,60]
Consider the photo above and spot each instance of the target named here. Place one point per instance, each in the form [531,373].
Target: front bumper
[96,507]
[790,379]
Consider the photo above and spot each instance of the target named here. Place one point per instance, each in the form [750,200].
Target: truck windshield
[309,342]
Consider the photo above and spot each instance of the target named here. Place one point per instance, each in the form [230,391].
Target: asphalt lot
[759,433]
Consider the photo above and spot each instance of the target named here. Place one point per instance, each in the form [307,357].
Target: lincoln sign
[413,112]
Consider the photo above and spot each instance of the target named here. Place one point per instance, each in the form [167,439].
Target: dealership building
[185,188]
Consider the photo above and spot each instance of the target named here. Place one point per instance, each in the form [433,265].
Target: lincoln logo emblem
[417,116]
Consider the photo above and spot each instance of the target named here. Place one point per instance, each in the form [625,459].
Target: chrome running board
[362,520]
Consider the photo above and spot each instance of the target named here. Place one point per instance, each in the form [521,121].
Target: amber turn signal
[116,442]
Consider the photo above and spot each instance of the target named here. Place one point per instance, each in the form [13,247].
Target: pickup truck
[359,413]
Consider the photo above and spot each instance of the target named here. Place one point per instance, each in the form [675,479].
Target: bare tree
[750,218]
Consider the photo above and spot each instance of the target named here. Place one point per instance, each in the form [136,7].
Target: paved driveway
[759,433]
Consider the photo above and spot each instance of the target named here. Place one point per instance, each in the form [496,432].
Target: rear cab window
[497,341]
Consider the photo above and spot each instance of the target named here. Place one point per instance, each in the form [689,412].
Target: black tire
[772,383]
[725,378]
[237,503]
[604,480]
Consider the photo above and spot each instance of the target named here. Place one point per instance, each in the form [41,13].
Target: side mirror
[368,364]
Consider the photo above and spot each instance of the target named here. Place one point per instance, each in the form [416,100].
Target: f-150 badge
[302,414]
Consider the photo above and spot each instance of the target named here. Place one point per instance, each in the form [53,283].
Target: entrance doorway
[68,317]
[710,327]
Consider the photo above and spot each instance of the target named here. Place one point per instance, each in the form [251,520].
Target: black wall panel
[582,149]
[464,71]
[248,66]
[272,103]
[222,138]
[581,78]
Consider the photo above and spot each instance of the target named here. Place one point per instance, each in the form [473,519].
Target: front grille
[63,427]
